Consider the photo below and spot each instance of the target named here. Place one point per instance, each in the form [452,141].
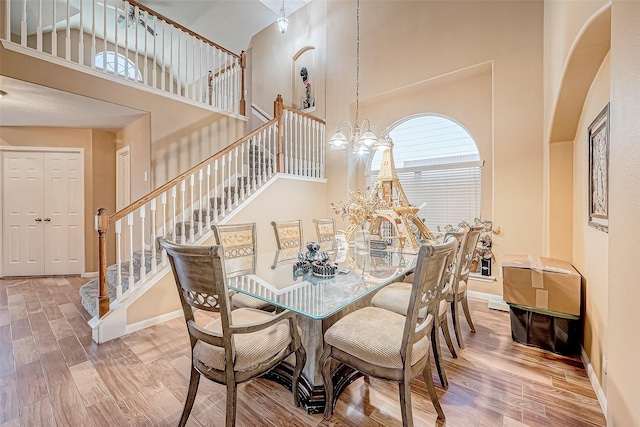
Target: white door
[22,209]
[63,210]
[43,203]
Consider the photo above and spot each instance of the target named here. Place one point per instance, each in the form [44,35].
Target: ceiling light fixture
[282,21]
[368,139]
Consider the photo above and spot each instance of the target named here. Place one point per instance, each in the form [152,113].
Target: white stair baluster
[202,213]
[164,223]
[164,63]
[215,191]
[228,180]
[54,33]
[118,230]
[39,28]
[155,54]
[93,33]
[23,24]
[208,196]
[105,27]
[179,65]
[67,36]
[81,41]
[191,207]
[145,67]
[322,152]
[171,79]
[174,217]
[153,241]
[242,177]
[130,224]
[223,195]
[236,183]
[261,153]
[183,232]
[143,257]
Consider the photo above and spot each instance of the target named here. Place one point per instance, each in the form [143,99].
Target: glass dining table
[320,302]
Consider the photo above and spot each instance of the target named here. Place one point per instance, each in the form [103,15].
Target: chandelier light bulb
[282,21]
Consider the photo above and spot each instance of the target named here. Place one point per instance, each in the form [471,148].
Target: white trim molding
[594,381]
[495,301]
[154,321]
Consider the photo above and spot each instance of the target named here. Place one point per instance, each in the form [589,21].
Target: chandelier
[362,138]
[282,21]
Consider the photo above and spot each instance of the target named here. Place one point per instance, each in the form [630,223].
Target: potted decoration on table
[360,211]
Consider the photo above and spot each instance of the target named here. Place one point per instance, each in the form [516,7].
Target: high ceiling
[231,24]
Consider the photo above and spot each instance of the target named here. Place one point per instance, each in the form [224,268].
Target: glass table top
[275,280]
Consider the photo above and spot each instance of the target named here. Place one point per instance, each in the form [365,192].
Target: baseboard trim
[594,381]
[154,321]
[89,274]
[495,301]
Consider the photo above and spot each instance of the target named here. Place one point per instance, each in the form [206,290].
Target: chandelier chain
[357,59]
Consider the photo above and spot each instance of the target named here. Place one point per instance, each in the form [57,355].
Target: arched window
[438,165]
[118,64]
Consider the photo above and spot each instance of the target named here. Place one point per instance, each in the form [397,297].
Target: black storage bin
[549,330]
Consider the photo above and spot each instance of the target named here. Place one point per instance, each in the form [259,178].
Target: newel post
[278,110]
[243,102]
[102,225]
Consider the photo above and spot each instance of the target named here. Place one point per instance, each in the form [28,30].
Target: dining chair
[325,229]
[239,244]
[288,233]
[458,292]
[383,344]
[239,345]
[395,297]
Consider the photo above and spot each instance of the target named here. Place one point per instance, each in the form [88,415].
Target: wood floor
[52,374]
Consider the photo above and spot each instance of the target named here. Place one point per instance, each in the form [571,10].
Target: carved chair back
[325,229]
[288,233]
[239,244]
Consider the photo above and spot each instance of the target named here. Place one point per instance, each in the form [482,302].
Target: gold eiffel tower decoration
[398,211]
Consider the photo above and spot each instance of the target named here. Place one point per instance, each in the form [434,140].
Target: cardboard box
[544,283]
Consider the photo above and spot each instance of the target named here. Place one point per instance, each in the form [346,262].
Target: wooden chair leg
[455,317]
[194,381]
[428,380]
[437,357]
[301,360]
[467,313]
[405,403]
[328,383]
[444,324]
[232,398]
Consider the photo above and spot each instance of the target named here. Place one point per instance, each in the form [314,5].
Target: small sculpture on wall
[307,101]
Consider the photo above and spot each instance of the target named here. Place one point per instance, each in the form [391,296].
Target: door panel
[22,206]
[63,183]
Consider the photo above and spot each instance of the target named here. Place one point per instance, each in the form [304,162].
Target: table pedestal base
[313,398]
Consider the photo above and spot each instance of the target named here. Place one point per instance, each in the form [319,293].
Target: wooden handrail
[158,191]
[186,30]
[307,115]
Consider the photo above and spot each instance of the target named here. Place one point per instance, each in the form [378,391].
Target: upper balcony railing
[130,41]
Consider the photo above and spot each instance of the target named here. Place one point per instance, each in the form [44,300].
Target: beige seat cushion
[240,300]
[395,297]
[374,335]
[251,349]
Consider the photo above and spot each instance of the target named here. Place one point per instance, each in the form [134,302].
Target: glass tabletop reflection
[276,280]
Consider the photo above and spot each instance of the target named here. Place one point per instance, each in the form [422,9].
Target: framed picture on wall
[599,171]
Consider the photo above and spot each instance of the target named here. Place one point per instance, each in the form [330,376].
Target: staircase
[260,164]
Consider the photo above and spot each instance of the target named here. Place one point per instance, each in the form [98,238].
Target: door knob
[47,219]
[38,219]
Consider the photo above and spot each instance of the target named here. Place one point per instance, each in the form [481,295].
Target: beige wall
[137,136]
[623,393]
[590,246]
[104,143]
[285,199]
[561,200]
[508,35]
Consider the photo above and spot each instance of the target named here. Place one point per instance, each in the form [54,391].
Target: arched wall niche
[583,62]
[304,58]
